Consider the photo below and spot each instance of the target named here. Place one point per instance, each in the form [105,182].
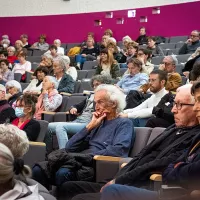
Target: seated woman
[70,69]
[12,188]
[47,61]
[15,90]
[104,42]
[35,85]
[107,65]
[155,49]
[41,44]
[53,51]
[111,46]
[49,100]
[19,48]
[65,81]
[135,79]
[11,54]
[22,66]
[89,53]
[24,111]
[5,73]
[125,40]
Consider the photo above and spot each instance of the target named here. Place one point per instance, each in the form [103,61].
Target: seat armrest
[60,117]
[107,158]
[124,160]
[65,94]
[156,181]
[156,177]
[48,116]
[195,194]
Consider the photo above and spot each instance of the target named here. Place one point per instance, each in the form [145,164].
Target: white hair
[61,62]
[5,37]
[54,81]
[115,95]
[126,38]
[15,139]
[66,59]
[11,48]
[174,59]
[3,88]
[186,91]
[15,84]
[5,41]
[112,39]
[57,41]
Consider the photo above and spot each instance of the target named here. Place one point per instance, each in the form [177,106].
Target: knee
[36,172]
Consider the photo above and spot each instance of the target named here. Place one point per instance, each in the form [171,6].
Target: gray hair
[66,59]
[102,79]
[5,37]
[61,62]
[7,41]
[15,139]
[15,84]
[174,59]
[57,41]
[2,88]
[115,95]
[186,91]
[126,38]
[11,48]
[54,81]
[7,170]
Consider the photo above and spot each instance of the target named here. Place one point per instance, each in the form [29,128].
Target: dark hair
[132,44]
[29,100]
[152,38]
[195,73]
[135,61]
[53,47]
[43,36]
[102,79]
[5,53]
[161,74]
[195,87]
[146,52]
[41,69]
[91,33]
[5,61]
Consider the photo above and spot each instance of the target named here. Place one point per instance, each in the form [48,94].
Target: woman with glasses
[24,111]
[14,90]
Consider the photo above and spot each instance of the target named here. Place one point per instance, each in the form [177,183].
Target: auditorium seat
[157,60]
[177,39]
[17,76]
[167,45]
[38,52]
[34,59]
[82,74]
[91,73]
[88,65]
[179,45]
[183,58]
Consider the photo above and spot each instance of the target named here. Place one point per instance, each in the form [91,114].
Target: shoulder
[125,121]
[143,75]
[67,77]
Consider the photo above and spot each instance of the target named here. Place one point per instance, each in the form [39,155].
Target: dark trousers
[157,122]
[69,190]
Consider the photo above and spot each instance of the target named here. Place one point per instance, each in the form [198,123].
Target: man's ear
[114,104]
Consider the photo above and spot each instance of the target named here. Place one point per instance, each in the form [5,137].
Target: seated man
[174,79]
[191,44]
[155,157]
[184,172]
[82,110]
[7,113]
[143,112]
[106,134]
[142,39]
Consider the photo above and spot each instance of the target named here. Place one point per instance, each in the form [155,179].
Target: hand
[44,91]
[188,41]
[186,74]
[73,111]
[123,115]
[162,67]
[84,55]
[107,184]
[97,118]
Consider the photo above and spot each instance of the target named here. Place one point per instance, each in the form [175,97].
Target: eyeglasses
[179,105]
[194,36]
[166,64]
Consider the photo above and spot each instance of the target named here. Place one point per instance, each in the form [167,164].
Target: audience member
[107,65]
[82,110]
[93,139]
[24,39]
[125,40]
[143,55]
[90,53]
[108,32]
[41,44]
[155,49]
[47,61]
[195,73]
[24,111]
[90,35]
[15,90]
[49,100]
[5,73]
[5,42]
[115,51]
[70,69]
[134,79]
[22,66]
[11,54]
[141,113]
[174,79]
[104,42]
[19,48]
[155,157]
[3,55]
[35,86]
[53,51]
[191,44]
[60,50]
[7,113]
[142,39]
[65,81]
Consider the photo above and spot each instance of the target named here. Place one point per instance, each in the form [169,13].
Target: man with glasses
[7,113]
[163,150]
[191,44]
[174,79]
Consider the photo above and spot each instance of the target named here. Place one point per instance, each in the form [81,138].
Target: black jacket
[13,98]
[142,39]
[7,113]
[66,84]
[138,175]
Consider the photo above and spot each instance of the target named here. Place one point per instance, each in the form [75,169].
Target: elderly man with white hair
[60,50]
[106,134]
[174,79]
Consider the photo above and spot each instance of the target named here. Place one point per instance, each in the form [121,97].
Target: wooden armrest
[195,193]
[48,112]
[37,143]
[156,177]
[123,165]
[66,94]
[107,158]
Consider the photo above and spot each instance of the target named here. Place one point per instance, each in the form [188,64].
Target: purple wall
[173,20]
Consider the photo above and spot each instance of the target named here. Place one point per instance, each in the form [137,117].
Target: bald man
[155,157]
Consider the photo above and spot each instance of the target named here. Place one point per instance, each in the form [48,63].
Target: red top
[11,59]
[16,122]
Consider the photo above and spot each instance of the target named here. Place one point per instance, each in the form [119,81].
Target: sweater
[189,48]
[22,68]
[144,110]
[66,84]
[111,138]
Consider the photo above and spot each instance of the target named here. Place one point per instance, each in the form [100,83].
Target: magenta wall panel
[173,20]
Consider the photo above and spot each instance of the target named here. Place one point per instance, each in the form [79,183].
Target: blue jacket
[66,84]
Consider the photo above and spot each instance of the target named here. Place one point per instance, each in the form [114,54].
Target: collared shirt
[133,82]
